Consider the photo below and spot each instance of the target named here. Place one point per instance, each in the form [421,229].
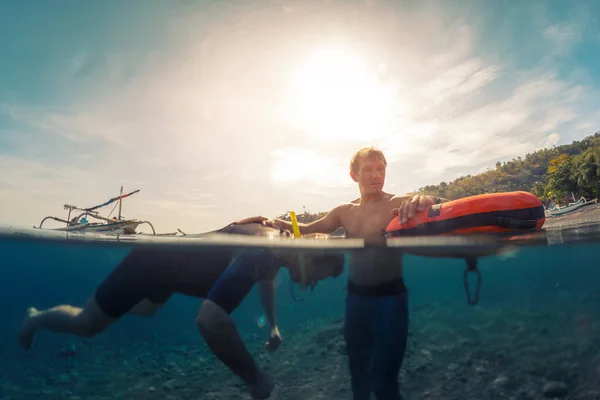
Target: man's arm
[329,223]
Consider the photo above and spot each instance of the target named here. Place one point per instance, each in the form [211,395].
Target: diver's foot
[262,388]
[28,328]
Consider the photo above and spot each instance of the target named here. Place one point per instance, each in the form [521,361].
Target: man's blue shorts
[376,333]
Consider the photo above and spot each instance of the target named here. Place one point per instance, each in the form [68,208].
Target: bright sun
[334,96]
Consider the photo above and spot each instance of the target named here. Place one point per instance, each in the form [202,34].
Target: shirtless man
[148,277]
[376,317]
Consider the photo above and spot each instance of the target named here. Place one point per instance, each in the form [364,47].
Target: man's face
[370,175]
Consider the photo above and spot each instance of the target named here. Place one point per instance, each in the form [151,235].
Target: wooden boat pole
[120,202]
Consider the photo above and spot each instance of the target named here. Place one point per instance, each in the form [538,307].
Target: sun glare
[308,166]
[335,96]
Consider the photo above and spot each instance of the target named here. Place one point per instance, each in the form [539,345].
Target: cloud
[460,80]
[562,37]
[80,126]
[492,127]
[165,207]
[31,189]
[551,140]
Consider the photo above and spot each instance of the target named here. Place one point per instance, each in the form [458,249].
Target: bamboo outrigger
[115,225]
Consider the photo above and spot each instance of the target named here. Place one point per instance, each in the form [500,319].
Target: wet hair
[285,232]
[365,152]
[337,260]
[334,260]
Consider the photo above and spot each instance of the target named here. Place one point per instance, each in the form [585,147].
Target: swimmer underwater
[147,278]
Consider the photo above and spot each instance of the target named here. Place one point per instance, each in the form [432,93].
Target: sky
[218,110]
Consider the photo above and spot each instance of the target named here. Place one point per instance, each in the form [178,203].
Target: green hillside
[549,174]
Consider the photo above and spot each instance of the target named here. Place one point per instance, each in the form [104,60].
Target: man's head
[367,168]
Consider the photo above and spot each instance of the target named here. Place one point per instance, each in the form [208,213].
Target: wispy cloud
[77,126]
[562,37]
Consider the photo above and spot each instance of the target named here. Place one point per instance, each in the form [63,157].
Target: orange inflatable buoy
[493,212]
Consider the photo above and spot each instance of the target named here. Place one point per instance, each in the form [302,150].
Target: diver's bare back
[367,221]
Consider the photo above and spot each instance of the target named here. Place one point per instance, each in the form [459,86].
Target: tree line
[550,174]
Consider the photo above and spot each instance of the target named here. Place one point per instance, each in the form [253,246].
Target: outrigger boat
[115,225]
[558,210]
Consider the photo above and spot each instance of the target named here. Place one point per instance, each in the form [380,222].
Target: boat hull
[570,208]
[128,227]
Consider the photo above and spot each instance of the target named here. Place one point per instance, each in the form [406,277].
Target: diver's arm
[266,291]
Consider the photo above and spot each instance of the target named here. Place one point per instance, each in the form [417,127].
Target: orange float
[493,212]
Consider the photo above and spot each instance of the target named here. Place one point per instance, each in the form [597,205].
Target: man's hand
[274,340]
[273,223]
[412,205]
[250,220]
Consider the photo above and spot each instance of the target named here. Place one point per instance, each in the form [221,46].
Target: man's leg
[358,337]
[87,321]
[391,334]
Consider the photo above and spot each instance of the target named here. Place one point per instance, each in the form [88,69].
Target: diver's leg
[219,330]
[124,287]
[357,334]
[222,337]
[86,321]
[147,307]
[391,334]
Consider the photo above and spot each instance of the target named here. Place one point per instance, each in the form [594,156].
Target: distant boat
[80,223]
[558,210]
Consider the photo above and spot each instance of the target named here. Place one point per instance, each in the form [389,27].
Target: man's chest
[362,223]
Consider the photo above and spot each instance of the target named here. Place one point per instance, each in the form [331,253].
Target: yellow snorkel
[295,227]
[301,260]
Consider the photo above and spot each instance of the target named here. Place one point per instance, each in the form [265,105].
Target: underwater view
[534,332]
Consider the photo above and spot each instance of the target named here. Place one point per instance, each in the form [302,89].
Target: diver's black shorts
[136,278]
[156,274]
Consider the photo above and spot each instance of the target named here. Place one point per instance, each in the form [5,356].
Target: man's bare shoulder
[345,206]
[341,210]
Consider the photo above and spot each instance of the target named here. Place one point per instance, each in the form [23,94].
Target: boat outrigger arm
[122,196]
[80,222]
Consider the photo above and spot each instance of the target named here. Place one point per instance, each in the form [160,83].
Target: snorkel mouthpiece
[301,259]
